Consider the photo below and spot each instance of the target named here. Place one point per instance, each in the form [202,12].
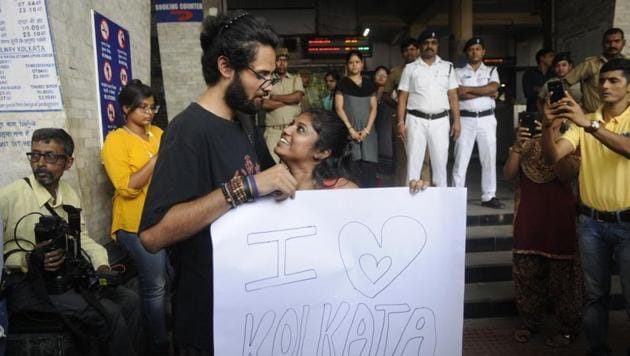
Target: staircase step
[490,219]
[488,259]
[488,266]
[496,299]
[488,238]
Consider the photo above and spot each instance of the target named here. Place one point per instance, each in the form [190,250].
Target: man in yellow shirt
[603,139]
[22,203]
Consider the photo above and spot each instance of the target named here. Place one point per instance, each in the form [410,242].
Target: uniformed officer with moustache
[478,85]
[427,91]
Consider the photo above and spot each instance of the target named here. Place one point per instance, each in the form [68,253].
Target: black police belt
[426,116]
[605,216]
[466,113]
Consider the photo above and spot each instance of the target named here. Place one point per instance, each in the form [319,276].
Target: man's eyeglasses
[267,82]
[149,109]
[49,157]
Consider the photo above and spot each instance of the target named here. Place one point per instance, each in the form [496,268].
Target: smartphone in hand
[556,88]
[528,119]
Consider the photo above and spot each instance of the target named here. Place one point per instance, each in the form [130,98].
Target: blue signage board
[112,51]
[178,11]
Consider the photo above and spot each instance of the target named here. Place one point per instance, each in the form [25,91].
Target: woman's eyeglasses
[149,109]
[49,157]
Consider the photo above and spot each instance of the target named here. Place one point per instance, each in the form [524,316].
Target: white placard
[28,73]
[342,272]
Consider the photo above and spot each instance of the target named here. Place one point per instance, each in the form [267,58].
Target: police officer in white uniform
[478,84]
[427,90]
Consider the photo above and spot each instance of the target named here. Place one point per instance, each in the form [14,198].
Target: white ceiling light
[366,32]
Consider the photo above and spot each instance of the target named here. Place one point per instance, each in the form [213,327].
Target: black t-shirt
[349,87]
[198,153]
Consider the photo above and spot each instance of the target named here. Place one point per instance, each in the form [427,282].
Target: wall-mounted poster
[178,11]
[28,73]
[112,58]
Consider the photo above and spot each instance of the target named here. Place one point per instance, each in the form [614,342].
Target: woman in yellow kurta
[129,154]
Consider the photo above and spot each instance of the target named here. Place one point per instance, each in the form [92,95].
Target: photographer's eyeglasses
[153,109]
[267,82]
[49,157]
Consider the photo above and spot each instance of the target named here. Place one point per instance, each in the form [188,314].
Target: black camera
[76,271]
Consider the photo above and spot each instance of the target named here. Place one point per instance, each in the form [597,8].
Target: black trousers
[121,305]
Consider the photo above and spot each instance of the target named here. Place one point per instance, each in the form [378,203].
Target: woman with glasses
[355,103]
[129,155]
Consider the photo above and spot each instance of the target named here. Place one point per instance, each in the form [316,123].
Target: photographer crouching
[53,265]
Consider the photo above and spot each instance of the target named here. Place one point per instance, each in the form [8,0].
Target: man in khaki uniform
[409,50]
[587,72]
[283,104]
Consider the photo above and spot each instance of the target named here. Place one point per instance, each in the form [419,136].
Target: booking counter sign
[112,55]
[178,11]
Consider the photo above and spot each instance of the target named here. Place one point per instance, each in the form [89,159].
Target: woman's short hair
[333,136]
[133,94]
[381,67]
[354,53]
[236,36]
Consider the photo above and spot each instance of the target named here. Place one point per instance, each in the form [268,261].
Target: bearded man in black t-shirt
[210,161]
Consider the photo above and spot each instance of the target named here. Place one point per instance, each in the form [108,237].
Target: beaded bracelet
[239,190]
[247,189]
[236,186]
[226,194]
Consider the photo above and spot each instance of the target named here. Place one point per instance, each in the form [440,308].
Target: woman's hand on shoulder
[276,180]
[416,185]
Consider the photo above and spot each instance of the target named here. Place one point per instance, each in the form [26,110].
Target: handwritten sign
[28,73]
[112,55]
[342,272]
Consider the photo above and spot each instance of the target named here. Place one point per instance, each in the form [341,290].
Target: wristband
[226,194]
[247,188]
[515,150]
[253,187]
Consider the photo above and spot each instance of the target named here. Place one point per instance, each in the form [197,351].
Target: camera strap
[48,207]
[40,290]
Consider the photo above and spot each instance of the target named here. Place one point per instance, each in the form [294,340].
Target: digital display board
[338,46]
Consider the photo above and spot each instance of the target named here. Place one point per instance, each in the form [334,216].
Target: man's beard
[43,176]
[236,98]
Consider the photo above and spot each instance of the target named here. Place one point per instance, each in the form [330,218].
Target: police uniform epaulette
[592,58]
